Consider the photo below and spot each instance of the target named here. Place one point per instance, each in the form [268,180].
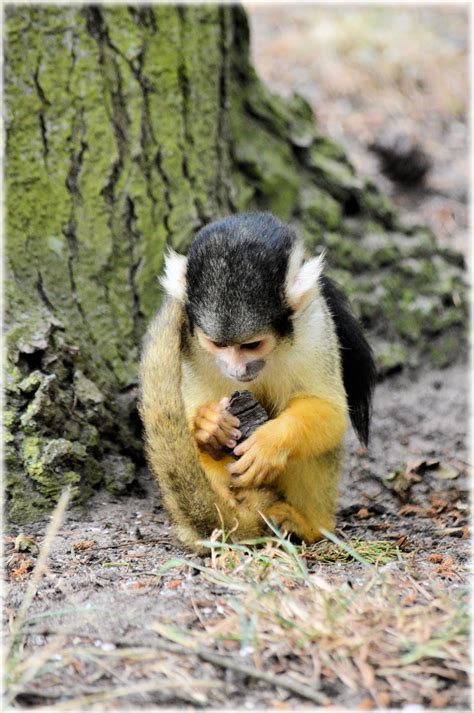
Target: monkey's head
[244,282]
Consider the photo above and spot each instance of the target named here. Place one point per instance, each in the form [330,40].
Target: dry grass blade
[26,670]
[79,702]
[54,525]
[378,635]
[284,616]
[231,664]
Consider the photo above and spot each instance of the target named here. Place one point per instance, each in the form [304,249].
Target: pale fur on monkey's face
[240,361]
[246,280]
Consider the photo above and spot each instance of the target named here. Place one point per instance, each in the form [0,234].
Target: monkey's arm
[213,428]
[309,426]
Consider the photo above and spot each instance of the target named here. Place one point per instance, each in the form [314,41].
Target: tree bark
[127,129]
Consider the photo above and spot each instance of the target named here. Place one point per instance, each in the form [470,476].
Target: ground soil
[373,72]
[108,594]
[100,587]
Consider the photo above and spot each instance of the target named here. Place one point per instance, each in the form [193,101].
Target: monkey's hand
[215,427]
[262,458]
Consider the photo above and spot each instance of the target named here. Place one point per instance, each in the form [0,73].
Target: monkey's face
[242,361]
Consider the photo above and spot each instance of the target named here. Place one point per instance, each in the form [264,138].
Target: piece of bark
[251,414]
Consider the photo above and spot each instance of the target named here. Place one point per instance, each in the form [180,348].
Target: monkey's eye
[251,345]
[219,345]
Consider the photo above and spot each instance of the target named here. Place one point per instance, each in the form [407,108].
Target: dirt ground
[373,71]
[101,593]
[116,617]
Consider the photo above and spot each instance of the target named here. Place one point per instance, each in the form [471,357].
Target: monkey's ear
[173,279]
[302,278]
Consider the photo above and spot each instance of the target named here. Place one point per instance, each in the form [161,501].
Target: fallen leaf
[421,465]
[82,545]
[409,509]
[22,570]
[280,705]
[174,583]
[439,469]
[25,544]
[402,540]
[401,480]
[447,569]
[437,506]
[443,472]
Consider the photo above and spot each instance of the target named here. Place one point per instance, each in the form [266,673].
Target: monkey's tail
[358,365]
[185,489]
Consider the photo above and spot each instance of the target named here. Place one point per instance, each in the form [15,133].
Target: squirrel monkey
[247,305]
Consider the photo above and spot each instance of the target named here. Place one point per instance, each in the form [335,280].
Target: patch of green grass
[367,552]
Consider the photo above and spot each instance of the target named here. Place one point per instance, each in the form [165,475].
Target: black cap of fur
[236,277]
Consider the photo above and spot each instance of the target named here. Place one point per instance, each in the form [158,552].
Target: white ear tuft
[302,278]
[173,280]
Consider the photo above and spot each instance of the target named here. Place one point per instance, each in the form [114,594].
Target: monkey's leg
[290,520]
[241,514]
[309,492]
[212,427]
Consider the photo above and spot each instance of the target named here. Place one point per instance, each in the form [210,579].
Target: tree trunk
[128,128]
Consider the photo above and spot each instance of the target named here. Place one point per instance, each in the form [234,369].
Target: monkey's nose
[253,369]
[230,372]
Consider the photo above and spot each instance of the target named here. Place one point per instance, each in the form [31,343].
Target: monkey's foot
[288,519]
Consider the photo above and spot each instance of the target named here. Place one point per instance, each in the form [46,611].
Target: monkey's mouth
[252,373]
[249,374]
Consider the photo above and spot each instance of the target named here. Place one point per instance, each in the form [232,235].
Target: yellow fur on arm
[310,426]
